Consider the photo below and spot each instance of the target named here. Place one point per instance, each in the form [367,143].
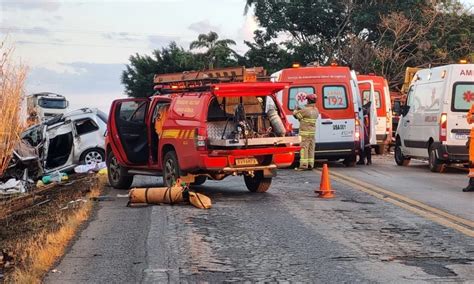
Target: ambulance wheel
[257,183]
[199,180]
[118,177]
[170,168]
[434,163]
[350,161]
[400,159]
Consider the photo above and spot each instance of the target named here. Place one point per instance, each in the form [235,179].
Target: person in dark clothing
[366,154]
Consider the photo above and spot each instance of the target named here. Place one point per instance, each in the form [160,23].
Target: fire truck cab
[197,130]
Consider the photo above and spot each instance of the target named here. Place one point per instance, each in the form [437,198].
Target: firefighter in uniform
[307,118]
[470,120]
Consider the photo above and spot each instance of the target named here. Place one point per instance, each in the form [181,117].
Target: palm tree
[215,48]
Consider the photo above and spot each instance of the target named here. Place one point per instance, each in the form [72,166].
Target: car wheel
[199,180]
[92,156]
[118,177]
[257,183]
[350,161]
[170,169]
[400,159]
[434,163]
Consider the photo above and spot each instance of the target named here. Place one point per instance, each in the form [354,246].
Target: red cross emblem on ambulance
[468,96]
[301,97]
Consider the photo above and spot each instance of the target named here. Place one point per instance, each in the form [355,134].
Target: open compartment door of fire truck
[128,130]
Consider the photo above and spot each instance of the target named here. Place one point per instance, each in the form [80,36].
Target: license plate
[246,162]
[461,136]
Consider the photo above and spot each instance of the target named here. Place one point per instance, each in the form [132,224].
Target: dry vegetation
[12,80]
[38,236]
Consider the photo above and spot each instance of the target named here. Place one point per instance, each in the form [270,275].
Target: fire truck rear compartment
[244,122]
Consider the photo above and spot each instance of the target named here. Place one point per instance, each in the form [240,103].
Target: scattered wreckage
[58,145]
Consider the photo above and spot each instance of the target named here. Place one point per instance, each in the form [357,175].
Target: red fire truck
[197,128]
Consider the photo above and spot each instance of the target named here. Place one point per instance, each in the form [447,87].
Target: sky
[80,48]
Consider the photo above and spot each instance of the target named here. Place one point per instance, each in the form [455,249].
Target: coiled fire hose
[177,193]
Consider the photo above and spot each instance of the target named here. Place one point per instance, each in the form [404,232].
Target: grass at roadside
[45,233]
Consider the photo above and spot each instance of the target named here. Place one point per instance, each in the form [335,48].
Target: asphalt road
[416,181]
[285,234]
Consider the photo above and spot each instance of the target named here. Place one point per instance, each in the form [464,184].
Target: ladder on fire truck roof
[201,80]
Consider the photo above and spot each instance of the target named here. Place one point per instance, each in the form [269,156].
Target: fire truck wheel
[199,180]
[257,183]
[170,168]
[118,177]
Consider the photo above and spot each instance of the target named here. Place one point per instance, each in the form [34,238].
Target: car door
[87,136]
[128,131]
[405,126]
[58,147]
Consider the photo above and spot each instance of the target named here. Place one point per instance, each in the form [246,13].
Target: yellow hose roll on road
[199,200]
[156,195]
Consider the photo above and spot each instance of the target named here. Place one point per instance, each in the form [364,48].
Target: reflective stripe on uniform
[306,133]
[309,120]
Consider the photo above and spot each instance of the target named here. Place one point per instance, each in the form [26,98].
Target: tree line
[371,36]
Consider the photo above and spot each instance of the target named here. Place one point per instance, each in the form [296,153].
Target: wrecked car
[24,163]
[65,141]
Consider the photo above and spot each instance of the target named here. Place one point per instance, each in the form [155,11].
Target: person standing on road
[366,153]
[470,120]
[307,118]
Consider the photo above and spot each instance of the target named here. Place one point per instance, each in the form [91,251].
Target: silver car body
[77,137]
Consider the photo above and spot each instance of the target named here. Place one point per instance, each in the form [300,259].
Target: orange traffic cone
[325,190]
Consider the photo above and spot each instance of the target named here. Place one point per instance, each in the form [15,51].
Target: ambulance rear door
[337,117]
[459,94]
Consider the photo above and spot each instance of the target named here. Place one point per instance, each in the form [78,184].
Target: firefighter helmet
[311,98]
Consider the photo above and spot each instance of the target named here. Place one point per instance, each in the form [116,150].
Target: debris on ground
[12,186]
[95,167]
[43,209]
[55,177]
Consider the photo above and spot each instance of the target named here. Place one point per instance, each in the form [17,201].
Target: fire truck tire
[257,183]
[118,177]
[199,180]
[170,168]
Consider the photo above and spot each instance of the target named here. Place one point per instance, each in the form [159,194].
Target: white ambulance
[433,125]
[338,129]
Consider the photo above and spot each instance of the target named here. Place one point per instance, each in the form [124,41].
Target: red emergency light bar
[185,86]
[247,89]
